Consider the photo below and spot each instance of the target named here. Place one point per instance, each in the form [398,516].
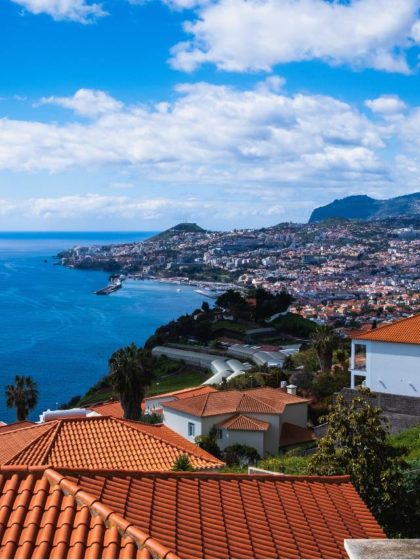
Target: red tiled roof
[15,426]
[109,408]
[185,393]
[264,400]
[112,514]
[104,443]
[292,434]
[17,438]
[244,423]
[239,516]
[40,517]
[406,331]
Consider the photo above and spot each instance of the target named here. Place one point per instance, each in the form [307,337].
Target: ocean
[55,329]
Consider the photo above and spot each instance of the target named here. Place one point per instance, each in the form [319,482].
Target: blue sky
[231,113]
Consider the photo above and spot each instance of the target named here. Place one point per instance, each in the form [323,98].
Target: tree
[241,455]
[23,396]
[230,299]
[325,341]
[182,463]
[209,443]
[356,443]
[131,373]
[205,307]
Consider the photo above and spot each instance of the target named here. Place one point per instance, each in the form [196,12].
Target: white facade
[387,368]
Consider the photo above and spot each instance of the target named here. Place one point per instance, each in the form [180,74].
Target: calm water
[56,330]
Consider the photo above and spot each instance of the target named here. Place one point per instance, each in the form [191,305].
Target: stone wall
[402,412]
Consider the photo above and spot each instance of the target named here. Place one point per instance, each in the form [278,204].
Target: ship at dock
[115,284]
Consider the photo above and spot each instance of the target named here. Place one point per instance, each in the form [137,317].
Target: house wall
[152,403]
[390,367]
[253,439]
[178,421]
[296,414]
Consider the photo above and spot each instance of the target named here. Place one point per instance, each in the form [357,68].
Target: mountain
[366,208]
[183,227]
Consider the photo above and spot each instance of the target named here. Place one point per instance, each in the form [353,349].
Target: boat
[115,285]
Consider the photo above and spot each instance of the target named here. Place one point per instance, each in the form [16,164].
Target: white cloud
[86,102]
[386,105]
[244,35]
[215,139]
[81,11]
[209,132]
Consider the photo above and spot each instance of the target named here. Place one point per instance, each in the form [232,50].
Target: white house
[254,417]
[387,359]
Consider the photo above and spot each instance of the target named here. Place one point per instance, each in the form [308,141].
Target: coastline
[61,334]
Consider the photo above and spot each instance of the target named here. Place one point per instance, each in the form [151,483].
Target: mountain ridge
[363,207]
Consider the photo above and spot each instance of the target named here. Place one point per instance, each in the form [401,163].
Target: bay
[55,329]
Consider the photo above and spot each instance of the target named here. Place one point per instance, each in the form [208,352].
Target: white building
[387,359]
[254,417]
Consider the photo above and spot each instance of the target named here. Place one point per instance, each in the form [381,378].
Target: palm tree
[325,341]
[131,370]
[23,395]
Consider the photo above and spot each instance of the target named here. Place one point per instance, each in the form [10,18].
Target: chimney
[283,386]
[291,389]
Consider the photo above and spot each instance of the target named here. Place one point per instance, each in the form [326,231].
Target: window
[220,433]
[360,357]
[191,429]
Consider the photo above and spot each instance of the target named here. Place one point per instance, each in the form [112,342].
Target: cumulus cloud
[221,138]
[81,11]
[248,35]
[208,133]
[386,105]
[86,102]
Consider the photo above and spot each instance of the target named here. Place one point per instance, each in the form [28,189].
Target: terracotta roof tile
[264,400]
[199,515]
[18,438]
[186,393]
[244,423]
[109,408]
[291,434]
[15,426]
[38,519]
[406,331]
[103,443]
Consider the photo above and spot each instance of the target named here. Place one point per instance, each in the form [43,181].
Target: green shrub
[182,463]
[240,455]
[287,464]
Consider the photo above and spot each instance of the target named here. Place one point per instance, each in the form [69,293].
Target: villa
[387,359]
[263,418]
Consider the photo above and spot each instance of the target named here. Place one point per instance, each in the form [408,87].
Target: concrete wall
[155,402]
[391,368]
[296,414]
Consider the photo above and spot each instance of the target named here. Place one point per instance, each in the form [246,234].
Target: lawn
[409,439]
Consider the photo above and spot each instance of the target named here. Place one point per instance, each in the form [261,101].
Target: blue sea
[55,329]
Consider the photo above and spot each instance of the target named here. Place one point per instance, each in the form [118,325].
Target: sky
[139,114]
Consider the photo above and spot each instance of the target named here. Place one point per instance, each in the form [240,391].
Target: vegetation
[287,464]
[325,341]
[240,455]
[209,443]
[182,463]
[23,396]
[257,377]
[293,324]
[131,371]
[409,443]
[357,444]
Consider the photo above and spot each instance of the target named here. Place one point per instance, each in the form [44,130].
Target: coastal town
[342,272]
